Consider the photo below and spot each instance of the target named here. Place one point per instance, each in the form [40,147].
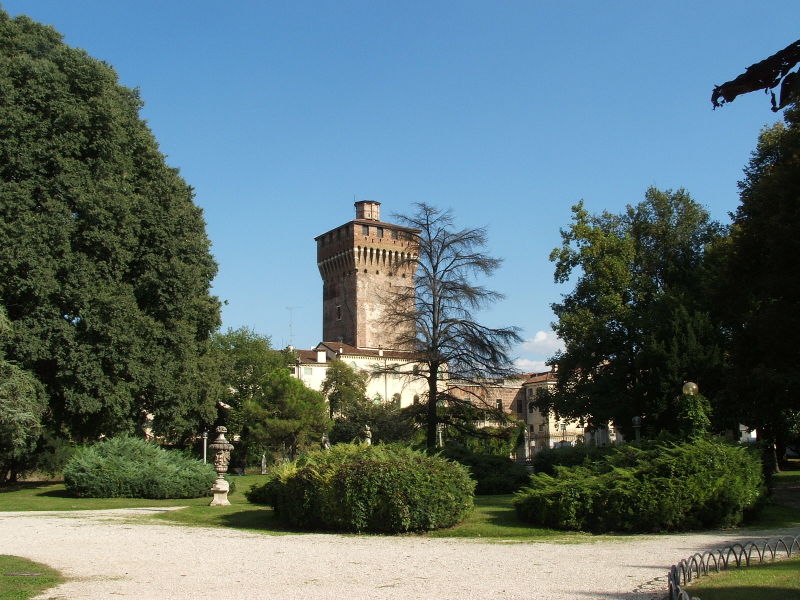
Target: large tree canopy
[761,286]
[636,326]
[104,266]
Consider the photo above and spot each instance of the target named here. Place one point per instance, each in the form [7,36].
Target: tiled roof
[541,377]
[306,356]
[347,349]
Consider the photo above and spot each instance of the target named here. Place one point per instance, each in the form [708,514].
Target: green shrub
[133,468]
[545,461]
[352,487]
[669,487]
[494,474]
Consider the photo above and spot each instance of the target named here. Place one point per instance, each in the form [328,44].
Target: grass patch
[494,518]
[17,579]
[37,496]
[771,581]
[775,516]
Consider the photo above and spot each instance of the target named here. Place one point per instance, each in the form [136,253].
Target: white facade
[312,367]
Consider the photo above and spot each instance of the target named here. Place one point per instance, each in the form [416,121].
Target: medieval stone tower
[362,263]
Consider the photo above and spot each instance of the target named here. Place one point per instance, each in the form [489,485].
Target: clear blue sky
[281,113]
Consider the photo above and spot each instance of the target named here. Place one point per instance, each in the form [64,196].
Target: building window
[499,404]
[394,234]
[531,407]
[339,313]
[379,231]
[306,371]
[416,399]
[365,230]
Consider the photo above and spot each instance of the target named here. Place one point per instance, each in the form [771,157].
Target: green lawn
[771,581]
[53,496]
[492,519]
[21,578]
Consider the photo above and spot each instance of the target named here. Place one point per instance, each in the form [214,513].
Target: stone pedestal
[220,491]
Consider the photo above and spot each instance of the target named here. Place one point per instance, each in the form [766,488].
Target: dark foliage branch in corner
[765,75]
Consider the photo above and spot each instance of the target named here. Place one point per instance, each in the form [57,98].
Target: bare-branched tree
[434,315]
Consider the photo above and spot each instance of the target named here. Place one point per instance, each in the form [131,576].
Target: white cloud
[544,343]
[531,366]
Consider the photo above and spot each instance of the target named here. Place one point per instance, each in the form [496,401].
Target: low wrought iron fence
[736,555]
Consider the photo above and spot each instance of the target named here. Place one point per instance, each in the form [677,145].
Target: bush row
[697,484]
[352,487]
[133,468]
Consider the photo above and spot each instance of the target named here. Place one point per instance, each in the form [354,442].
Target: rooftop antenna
[291,310]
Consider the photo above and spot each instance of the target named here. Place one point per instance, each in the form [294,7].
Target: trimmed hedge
[352,487]
[670,487]
[125,467]
[494,474]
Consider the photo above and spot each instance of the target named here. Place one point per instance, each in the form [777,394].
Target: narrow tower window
[379,231]
[365,230]
[339,312]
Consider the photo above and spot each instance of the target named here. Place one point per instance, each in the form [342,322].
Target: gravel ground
[105,555]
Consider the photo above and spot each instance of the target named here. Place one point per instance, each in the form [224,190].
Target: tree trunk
[433,416]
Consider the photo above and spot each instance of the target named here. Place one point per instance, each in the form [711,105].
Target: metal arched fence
[736,555]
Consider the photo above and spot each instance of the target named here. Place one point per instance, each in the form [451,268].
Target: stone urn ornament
[221,449]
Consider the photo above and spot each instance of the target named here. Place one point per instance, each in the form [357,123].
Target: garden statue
[263,464]
[367,435]
[222,458]
[326,443]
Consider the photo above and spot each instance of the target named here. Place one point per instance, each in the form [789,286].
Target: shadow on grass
[25,485]
[57,494]
[259,519]
[504,518]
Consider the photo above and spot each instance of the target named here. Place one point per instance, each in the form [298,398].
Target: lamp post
[205,447]
[690,388]
[222,458]
[637,426]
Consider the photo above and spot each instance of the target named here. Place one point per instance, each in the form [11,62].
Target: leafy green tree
[246,360]
[435,316]
[105,267]
[388,422]
[22,405]
[637,324]
[288,415]
[760,290]
[343,386]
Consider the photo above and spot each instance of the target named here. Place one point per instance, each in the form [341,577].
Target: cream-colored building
[312,367]
[546,430]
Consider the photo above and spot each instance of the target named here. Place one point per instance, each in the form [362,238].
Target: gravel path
[104,555]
